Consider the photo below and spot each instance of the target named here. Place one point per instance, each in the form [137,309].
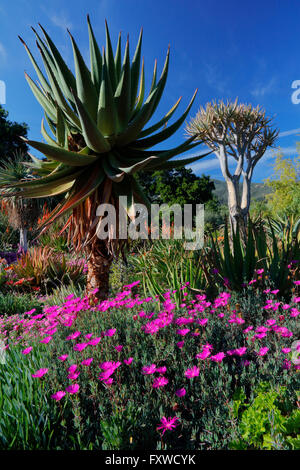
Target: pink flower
[63,357]
[87,362]
[27,350]
[192,372]
[183,331]
[263,351]
[204,354]
[72,389]
[110,332]
[160,382]
[168,424]
[218,357]
[181,392]
[202,321]
[74,335]
[72,368]
[161,370]
[73,375]
[80,346]
[94,341]
[147,370]
[119,348]
[286,350]
[39,373]
[58,395]
[180,344]
[46,340]
[128,361]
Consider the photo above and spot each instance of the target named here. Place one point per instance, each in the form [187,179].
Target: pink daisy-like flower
[80,346]
[73,335]
[119,348]
[168,424]
[160,382]
[263,351]
[39,373]
[110,332]
[180,344]
[147,370]
[72,368]
[192,372]
[161,370]
[72,389]
[87,362]
[286,350]
[218,357]
[58,395]
[27,350]
[63,357]
[46,340]
[181,392]
[183,331]
[94,341]
[73,375]
[128,361]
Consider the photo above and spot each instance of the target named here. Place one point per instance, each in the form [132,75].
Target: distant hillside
[258,191]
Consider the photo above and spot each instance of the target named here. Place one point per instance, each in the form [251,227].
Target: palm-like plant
[97,118]
[22,213]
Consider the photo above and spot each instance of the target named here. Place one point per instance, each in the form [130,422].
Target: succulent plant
[97,117]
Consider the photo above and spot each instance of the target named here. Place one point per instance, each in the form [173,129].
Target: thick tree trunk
[99,263]
[233,204]
[23,239]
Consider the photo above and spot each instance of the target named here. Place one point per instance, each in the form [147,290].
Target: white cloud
[3,53]
[263,89]
[290,132]
[208,164]
[61,21]
[214,78]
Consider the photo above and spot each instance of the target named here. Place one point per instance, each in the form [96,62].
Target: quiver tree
[239,132]
[98,143]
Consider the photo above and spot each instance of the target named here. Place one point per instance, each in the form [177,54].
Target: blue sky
[226,49]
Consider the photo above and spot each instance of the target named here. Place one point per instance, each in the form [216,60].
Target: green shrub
[271,420]
[11,304]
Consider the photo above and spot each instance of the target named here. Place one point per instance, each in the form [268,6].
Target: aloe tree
[97,117]
[239,132]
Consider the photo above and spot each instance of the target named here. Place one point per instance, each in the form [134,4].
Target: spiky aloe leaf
[166,133]
[110,61]
[123,92]
[61,155]
[86,91]
[135,69]
[107,113]
[92,136]
[42,99]
[65,77]
[95,57]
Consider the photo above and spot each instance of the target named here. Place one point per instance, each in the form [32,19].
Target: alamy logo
[2,352]
[2,92]
[188,222]
[295,353]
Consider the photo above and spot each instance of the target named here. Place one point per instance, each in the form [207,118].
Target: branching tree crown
[239,131]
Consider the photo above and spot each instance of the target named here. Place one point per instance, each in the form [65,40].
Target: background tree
[285,184]
[22,213]
[10,133]
[238,132]
[177,186]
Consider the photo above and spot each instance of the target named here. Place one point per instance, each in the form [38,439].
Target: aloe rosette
[97,118]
